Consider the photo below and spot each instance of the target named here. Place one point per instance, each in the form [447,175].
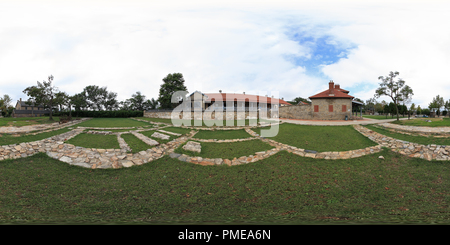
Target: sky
[287,48]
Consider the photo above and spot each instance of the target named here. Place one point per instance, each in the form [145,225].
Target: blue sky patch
[323,51]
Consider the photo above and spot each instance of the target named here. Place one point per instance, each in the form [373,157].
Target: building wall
[296,112]
[323,105]
[336,114]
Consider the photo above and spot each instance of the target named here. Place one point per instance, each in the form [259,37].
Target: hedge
[121,113]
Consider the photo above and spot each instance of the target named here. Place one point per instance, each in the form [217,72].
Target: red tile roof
[244,97]
[338,93]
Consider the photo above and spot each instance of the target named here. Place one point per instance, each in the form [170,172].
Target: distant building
[332,104]
[22,109]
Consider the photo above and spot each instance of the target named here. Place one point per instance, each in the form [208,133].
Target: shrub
[120,113]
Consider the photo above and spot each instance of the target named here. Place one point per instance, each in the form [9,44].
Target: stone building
[332,104]
[22,109]
[227,106]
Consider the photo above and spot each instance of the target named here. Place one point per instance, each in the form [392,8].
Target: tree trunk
[396,107]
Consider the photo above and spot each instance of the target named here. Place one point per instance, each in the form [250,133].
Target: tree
[298,99]
[370,105]
[392,89]
[411,110]
[151,104]
[406,96]
[171,83]
[65,100]
[447,107]
[94,96]
[110,101]
[137,101]
[78,101]
[386,109]
[437,102]
[44,93]
[419,110]
[125,105]
[5,105]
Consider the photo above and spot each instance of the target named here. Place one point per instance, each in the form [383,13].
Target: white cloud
[228,45]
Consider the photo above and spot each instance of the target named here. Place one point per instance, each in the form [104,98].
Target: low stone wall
[428,152]
[296,112]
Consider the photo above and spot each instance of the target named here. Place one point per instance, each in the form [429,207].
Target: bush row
[121,113]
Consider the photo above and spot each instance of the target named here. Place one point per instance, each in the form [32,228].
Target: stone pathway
[167,132]
[145,139]
[56,148]
[428,152]
[418,129]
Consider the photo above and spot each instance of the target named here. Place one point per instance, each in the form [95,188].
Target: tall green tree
[419,110]
[447,107]
[95,96]
[5,105]
[437,102]
[171,83]
[64,100]
[137,101]
[110,101]
[78,101]
[44,93]
[370,105]
[392,88]
[125,105]
[412,109]
[152,104]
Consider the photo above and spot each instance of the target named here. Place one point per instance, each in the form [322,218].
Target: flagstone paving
[418,129]
[56,148]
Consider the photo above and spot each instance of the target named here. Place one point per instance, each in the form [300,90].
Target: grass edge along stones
[97,141]
[423,139]
[320,138]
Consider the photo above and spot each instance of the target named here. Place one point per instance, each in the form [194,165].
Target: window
[330,108]
[316,108]
[344,108]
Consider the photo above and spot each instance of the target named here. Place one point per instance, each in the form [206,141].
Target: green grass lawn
[227,150]
[381,117]
[98,141]
[161,120]
[134,143]
[283,189]
[112,122]
[411,138]
[161,141]
[24,121]
[222,134]
[7,139]
[112,130]
[435,122]
[320,138]
[178,130]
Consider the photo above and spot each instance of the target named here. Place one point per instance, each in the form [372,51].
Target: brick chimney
[331,87]
[337,86]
